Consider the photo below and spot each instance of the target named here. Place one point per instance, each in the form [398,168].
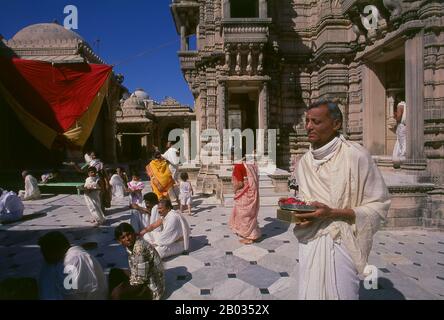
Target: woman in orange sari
[160,176]
[243,220]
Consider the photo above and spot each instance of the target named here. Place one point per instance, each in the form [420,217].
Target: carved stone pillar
[414,89]
[263,12]
[186,144]
[183,39]
[221,92]
[263,117]
[226,9]
[260,60]
[222,112]
[250,60]
[227,58]
[238,60]
[373,109]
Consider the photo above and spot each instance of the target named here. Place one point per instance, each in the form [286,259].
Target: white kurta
[32,191]
[92,199]
[173,159]
[79,277]
[117,185]
[173,238]
[140,220]
[350,179]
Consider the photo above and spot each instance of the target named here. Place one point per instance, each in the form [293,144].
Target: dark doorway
[244,9]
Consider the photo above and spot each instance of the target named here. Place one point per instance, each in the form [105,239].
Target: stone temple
[258,64]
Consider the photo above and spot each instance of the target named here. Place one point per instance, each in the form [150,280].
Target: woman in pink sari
[243,220]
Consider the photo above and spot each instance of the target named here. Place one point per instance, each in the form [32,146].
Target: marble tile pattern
[410,261]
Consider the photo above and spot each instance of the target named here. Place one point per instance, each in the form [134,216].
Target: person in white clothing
[92,196]
[174,233]
[145,216]
[186,192]
[400,149]
[341,180]
[69,272]
[32,191]
[11,206]
[118,186]
[172,156]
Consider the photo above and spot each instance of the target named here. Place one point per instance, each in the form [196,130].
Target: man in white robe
[32,191]
[174,234]
[400,149]
[69,273]
[342,181]
[11,206]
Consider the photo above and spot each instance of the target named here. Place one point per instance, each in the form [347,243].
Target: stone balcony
[246,30]
[188,59]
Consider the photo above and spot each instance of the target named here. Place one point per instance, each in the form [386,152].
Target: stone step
[266,184]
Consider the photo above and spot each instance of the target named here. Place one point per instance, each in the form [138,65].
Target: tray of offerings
[292,204]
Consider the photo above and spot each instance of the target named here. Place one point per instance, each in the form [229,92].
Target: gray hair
[333,109]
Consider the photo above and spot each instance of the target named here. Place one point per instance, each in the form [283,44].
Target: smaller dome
[134,103]
[141,94]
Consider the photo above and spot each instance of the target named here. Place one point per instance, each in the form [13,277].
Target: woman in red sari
[243,220]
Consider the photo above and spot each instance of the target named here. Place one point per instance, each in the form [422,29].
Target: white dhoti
[93,202]
[326,263]
[170,250]
[172,238]
[400,149]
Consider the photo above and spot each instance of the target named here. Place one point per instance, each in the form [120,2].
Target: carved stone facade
[260,63]
[51,42]
[143,122]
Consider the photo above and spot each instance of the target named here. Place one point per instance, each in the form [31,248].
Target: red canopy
[57,95]
[55,102]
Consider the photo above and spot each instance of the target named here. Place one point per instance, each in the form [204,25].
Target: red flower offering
[294,204]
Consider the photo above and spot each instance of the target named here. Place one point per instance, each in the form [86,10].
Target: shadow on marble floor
[274,228]
[386,291]
[175,278]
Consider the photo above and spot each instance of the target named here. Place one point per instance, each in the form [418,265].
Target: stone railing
[246,30]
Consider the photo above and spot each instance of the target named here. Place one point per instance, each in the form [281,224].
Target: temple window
[244,9]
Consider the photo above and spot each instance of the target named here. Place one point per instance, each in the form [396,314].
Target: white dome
[45,31]
[141,94]
[134,103]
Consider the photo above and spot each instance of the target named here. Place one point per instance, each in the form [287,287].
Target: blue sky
[125,29]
